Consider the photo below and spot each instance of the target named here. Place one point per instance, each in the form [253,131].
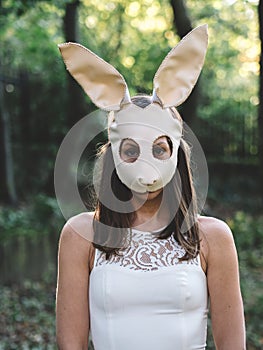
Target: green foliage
[229,100]
[27,316]
[28,40]
[129,44]
[134,37]
[40,217]
[248,236]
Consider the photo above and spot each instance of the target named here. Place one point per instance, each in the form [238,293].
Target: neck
[151,213]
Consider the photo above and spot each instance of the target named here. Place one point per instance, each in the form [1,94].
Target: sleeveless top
[146,299]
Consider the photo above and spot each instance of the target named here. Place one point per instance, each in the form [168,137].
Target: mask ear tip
[61,46]
[204,28]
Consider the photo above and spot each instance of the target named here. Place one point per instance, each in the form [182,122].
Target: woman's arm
[72,304]
[226,304]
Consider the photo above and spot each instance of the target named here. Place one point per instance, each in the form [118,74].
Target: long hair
[179,193]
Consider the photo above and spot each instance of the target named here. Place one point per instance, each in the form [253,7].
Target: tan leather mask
[173,83]
[147,167]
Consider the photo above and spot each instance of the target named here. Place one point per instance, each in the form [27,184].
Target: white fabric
[147,299]
[144,126]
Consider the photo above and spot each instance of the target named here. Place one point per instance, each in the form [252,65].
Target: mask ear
[179,71]
[102,82]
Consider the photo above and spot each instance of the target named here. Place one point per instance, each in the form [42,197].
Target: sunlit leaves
[29,40]
[135,36]
[129,35]
[230,75]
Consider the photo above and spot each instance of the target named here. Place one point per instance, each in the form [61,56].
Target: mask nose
[146,182]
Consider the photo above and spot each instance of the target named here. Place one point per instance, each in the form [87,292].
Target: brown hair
[179,192]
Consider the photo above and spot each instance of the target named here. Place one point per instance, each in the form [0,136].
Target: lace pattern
[146,252]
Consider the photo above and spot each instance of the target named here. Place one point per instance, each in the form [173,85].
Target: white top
[147,299]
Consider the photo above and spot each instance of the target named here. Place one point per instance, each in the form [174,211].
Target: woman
[139,272]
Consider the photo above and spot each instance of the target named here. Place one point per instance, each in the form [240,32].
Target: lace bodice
[146,252]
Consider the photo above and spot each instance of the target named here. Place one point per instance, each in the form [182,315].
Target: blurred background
[40,102]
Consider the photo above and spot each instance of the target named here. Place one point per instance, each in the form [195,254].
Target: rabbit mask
[142,127]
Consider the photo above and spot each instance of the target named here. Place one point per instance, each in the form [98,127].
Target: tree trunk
[25,130]
[260,110]
[8,188]
[70,21]
[182,22]
[183,26]
[3,187]
[76,106]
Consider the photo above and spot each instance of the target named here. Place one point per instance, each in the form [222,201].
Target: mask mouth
[140,188]
[146,192]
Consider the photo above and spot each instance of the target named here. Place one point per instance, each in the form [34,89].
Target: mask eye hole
[129,150]
[162,148]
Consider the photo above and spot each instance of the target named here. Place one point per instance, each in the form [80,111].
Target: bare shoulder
[214,228]
[77,236]
[216,236]
[79,226]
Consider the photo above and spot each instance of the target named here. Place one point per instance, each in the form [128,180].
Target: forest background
[40,102]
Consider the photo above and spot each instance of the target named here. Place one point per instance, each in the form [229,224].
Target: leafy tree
[134,37]
[32,75]
[227,110]
[75,96]
[260,111]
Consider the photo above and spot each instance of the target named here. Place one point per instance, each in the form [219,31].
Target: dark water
[28,258]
